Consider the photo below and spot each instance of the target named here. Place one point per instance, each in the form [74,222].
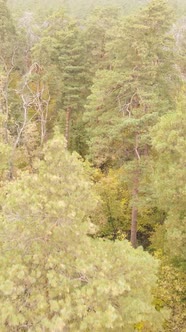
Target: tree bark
[133,236]
[67,125]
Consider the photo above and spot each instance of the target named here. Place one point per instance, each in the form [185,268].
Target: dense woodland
[93,165]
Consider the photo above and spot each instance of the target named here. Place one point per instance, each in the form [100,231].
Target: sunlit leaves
[52,273]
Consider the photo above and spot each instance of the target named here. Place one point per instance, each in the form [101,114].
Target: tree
[7,60]
[171,293]
[97,27]
[33,96]
[7,30]
[61,52]
[113,211]
[128,98]
[169,177]
[4,150]
[54,276]
[113,214]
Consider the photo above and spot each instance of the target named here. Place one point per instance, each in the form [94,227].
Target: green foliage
[171,293]
[61,52]
[97,34]
[54,276]
[113,212]
[4,149]
[7,51]
[7,29]
[127,97]
[59,269]
[169,176]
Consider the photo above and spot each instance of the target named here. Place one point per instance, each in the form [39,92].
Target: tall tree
[7,60]
[128,98]
[61,52]
[97,27]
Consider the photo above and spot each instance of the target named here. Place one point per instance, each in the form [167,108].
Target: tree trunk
[67,125]
[133,237]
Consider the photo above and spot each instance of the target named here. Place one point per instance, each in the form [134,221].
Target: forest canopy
[92,165]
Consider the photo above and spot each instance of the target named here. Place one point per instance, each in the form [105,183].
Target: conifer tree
[128,98]
[97,27]
[61,52]
[7,29]
[54,276]
[7,60]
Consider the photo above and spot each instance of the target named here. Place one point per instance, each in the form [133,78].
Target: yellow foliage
[170,293]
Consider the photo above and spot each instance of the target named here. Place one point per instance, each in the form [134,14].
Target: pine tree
[53,275]
[61,52]
[97,27]
[128,99]
[7,29]
[7,59]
